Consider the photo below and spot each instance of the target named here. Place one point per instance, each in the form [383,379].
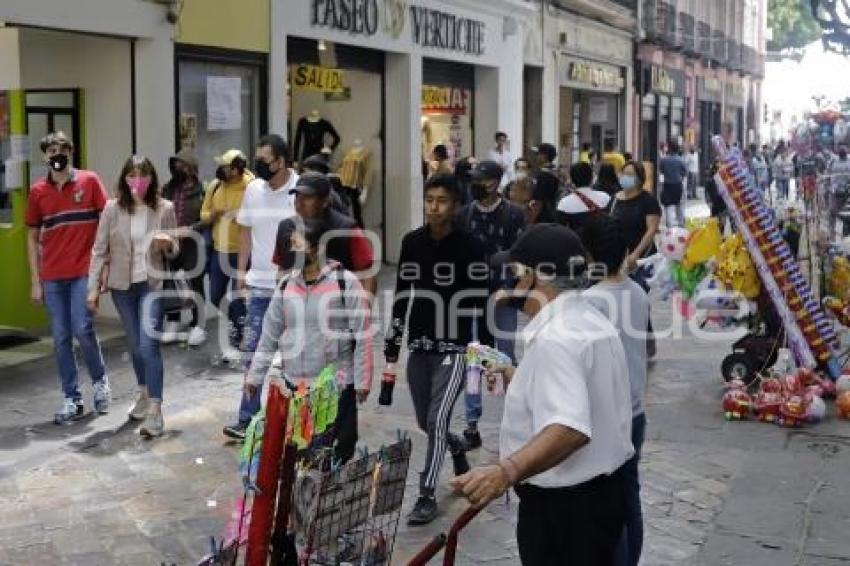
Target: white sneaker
[153,426]
[169,337]
[102,396]
[70,410]
[197,336]
[140,408]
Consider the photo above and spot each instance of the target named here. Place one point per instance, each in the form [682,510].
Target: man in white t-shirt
[501,154]
[266,203]
[566,428]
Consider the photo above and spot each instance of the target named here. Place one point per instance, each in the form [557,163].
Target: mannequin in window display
[312,136]
[354,176]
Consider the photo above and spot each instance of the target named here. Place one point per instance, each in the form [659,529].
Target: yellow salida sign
[321,79]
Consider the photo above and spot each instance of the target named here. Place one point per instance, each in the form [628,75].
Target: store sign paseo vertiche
[429,27]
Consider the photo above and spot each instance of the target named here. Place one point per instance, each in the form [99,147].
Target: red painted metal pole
[268,477]
[451,543]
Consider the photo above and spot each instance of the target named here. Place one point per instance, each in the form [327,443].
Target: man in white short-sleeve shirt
[266,203]
[566,429]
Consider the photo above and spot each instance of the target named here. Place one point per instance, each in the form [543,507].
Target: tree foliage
[792,23]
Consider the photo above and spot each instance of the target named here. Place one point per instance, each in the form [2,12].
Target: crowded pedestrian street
[417,282]
[715,492]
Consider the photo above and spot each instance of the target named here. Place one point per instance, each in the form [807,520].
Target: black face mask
[478,191]
[221,174]
[263,170]
[517,302]
[178,175]
[58,162]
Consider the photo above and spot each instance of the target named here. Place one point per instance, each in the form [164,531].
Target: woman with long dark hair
[134,241]
[607,180]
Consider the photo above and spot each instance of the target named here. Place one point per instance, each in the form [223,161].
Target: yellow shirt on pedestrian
[614,158]
[226,197]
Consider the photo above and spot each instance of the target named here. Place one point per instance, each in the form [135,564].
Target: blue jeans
[631,543]
[782,187]
[219,283]
[258,304]
[70,318]
[142,321]
[506,321]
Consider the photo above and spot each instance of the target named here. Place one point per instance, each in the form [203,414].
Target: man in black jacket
[444,271]
[496,223]
[187,193]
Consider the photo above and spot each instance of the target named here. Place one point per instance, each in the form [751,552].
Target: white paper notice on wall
[224,105]
[13,174]
[598,110]
[19,146]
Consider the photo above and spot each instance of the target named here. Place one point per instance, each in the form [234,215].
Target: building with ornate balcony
[699,66]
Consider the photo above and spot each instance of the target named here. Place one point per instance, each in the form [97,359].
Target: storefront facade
[586,91]
[215,61]
[389,80]
[96,88]
[734,110]
[664,102]
[709,117]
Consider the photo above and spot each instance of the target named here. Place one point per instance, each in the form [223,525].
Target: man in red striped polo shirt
[63,211]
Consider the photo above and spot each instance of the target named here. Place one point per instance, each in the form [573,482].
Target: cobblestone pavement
[715,493]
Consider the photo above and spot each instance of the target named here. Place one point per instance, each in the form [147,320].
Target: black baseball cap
[546,149]
[312,185]
[549,249]
[487,170]
[318,163]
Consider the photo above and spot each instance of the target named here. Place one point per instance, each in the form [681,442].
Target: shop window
[336,107]
[448,108]
[220,104]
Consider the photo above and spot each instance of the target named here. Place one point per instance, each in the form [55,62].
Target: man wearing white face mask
[63,210]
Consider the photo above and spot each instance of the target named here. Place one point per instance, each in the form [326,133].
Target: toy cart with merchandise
[299,507]
[792,311]
[758,349]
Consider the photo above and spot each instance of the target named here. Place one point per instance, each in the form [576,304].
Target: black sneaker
[472,438]
[460,462]
[423,512]
[235,431]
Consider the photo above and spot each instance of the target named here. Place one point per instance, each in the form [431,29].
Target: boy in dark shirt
[444,269]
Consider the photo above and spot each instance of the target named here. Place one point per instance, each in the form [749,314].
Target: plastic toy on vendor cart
[800,322]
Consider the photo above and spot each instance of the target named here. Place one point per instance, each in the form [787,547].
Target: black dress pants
[571,526]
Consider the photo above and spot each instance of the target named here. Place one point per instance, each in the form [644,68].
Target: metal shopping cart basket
[305,510]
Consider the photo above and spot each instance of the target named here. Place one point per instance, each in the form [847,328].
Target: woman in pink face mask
[134,240]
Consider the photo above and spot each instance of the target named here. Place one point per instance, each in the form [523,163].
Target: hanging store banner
[444,100]
[320,79]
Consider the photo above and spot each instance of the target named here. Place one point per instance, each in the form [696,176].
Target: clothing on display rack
[354,171]
[310,137]
[354,176]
